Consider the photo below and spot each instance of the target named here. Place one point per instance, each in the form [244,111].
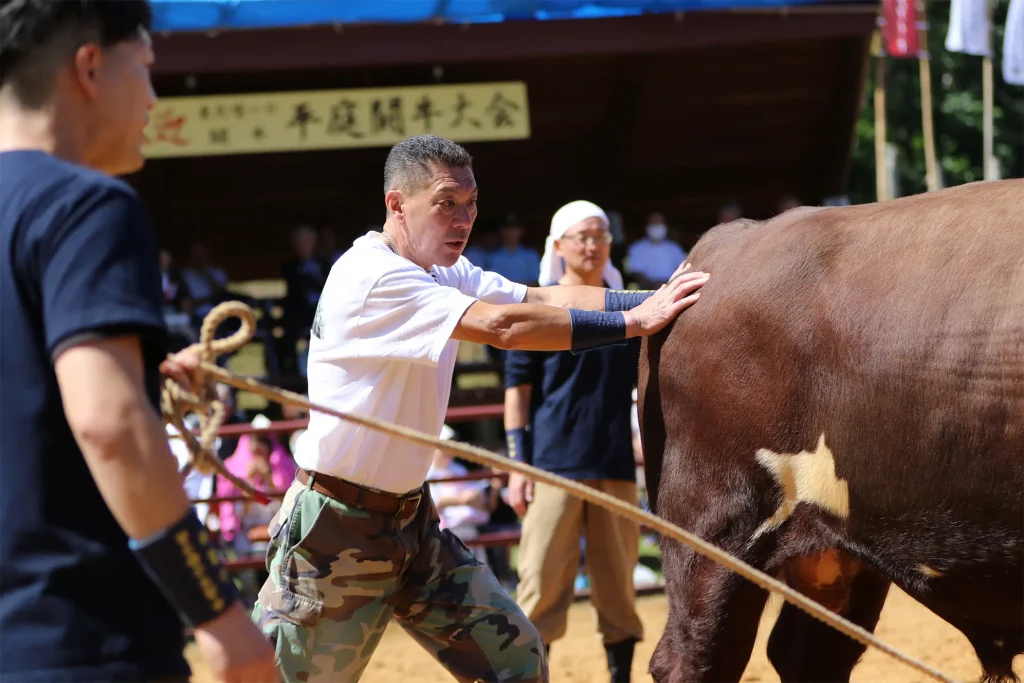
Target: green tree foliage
[957,115]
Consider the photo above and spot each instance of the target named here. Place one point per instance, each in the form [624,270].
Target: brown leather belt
[360,496]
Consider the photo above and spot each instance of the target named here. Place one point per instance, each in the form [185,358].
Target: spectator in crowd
[177,305]
[175,295]
[729,212]
[787,202]
[197,485]
[513,260]
[569,413]
[206,283]
[463,506]
[304,276]
[327,246]
[482,243]
[261,460]
[654,258]
[232,416]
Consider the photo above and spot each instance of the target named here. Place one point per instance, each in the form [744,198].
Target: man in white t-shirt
[357,543]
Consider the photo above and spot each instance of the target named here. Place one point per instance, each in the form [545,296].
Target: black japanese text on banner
[216,125]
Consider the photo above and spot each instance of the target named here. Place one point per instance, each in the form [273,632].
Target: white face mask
[657,232]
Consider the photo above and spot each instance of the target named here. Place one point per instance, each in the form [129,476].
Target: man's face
[585,246]
[438,215]
[119,96]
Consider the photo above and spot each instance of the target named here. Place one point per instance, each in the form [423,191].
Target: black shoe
[620,660]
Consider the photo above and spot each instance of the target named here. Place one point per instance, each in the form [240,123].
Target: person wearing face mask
[569,413]
[653,259]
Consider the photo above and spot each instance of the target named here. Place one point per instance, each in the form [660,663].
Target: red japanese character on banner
[167,128]
[899,28]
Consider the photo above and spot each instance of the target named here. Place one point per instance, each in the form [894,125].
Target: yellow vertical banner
[216,125]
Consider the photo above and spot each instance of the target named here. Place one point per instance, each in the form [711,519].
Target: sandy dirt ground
[579,657]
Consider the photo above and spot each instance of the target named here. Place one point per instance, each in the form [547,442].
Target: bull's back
[887,338]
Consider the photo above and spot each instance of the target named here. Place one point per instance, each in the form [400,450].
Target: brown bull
[844,408]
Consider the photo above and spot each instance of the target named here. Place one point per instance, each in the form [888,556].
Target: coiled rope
[176,401]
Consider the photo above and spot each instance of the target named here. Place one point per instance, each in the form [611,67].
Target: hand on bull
[683,267]
[663,306]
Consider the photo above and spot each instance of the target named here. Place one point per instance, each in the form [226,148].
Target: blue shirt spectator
[478,256]
[520,264]
[512,260]
[653,259]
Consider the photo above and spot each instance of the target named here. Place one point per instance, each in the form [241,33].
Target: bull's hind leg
[712,622]
[801,648]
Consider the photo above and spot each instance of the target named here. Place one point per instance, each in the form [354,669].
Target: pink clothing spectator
[238,518]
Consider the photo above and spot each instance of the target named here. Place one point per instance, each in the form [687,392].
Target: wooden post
[881,186]
[986,93]
[989,161]
[927,129]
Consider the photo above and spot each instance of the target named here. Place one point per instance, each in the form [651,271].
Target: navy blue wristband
[591,329]
[625,299]
[184,562]
[520,444]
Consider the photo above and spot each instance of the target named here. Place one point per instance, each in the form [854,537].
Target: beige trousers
[549,550]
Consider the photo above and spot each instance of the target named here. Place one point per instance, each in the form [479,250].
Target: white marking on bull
[808,477]
[928,571]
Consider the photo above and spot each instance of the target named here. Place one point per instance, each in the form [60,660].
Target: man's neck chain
[392,245]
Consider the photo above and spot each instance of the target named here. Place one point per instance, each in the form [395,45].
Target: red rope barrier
[475,475]
[455,414]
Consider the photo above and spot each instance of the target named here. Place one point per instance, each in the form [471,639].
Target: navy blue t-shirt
[79,259]
[580,409]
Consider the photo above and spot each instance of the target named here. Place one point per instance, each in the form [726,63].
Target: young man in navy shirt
[101,556]
[569,413]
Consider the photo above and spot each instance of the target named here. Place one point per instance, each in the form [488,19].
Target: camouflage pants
[339,574]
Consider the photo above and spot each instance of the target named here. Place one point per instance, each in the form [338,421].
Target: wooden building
[672,112]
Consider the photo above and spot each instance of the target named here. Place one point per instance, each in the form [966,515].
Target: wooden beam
[388,45]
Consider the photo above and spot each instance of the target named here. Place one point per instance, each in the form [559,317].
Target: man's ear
[87,63]
[393,201]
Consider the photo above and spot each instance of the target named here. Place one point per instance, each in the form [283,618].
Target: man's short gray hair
[411,162]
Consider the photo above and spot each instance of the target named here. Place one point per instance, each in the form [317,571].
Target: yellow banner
[333,119]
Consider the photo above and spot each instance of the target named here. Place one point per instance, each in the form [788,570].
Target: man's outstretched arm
[593,298]
[537,327]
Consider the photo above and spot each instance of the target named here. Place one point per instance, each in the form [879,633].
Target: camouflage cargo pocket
[291,595]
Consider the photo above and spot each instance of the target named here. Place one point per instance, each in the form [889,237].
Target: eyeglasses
[600,238]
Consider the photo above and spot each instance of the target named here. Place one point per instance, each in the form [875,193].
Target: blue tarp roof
[205,15]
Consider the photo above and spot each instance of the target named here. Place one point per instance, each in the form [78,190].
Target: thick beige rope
[176,401]
[582,491]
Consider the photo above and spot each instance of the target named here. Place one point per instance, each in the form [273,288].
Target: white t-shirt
[381,347]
